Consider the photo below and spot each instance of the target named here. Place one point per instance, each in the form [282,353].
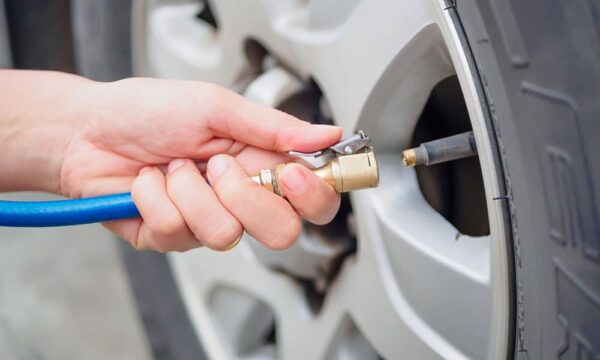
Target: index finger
[252,123]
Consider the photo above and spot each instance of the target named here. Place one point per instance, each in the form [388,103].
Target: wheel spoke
[380,312]
[431,273]
[176,44]
[201,273]
[358,53]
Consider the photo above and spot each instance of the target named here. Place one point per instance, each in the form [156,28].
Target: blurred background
[64,291]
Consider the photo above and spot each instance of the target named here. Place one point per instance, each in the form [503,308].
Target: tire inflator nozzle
[438,151]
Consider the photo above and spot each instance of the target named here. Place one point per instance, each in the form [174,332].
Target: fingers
[252,123]
[181,211]
[208,220]
[267,217]
[164,228]
[314,200]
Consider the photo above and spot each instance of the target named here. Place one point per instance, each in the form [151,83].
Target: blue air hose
[67,212]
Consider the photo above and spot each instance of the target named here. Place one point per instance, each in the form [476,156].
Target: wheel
[406,269]
[451,261]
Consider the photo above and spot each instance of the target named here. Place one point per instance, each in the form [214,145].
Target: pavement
[64,294]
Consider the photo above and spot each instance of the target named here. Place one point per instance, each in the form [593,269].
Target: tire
[537,71]
[540,71]
[167,323]
[29,50]
[101,38]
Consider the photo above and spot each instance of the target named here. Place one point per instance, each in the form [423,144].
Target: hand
[163,139]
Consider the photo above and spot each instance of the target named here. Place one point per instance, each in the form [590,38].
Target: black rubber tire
[29,50]
[167,323]
[102,38]
[539,67]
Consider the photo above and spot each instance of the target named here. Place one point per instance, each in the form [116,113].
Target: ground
[64,295]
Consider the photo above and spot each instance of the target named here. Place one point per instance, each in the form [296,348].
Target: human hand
[162,139]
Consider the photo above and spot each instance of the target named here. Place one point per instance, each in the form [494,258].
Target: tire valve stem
[441,150]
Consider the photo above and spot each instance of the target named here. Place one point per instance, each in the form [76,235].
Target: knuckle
[183,177]
[220,98]
[137,187]
[145,176]
[165,226]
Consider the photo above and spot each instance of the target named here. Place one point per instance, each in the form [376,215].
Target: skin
[184,149]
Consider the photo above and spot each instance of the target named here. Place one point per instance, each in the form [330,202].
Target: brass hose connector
[344,173]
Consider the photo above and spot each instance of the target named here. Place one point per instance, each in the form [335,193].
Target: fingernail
[294,180]
[174,165]
[145,169]
[216,166]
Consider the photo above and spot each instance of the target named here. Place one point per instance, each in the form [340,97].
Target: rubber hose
[67,212]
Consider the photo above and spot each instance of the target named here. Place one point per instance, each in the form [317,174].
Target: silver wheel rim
[408,291]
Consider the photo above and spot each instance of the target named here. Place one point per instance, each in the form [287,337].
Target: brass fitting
[344,173]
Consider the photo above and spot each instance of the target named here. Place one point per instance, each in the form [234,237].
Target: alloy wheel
[397,277]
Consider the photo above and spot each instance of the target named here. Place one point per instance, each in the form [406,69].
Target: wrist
[42,114]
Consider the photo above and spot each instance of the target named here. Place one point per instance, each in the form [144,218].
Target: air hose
[67,212]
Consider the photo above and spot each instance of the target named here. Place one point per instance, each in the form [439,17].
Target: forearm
[39,114]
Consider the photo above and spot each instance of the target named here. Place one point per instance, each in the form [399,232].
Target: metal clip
[348,146]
